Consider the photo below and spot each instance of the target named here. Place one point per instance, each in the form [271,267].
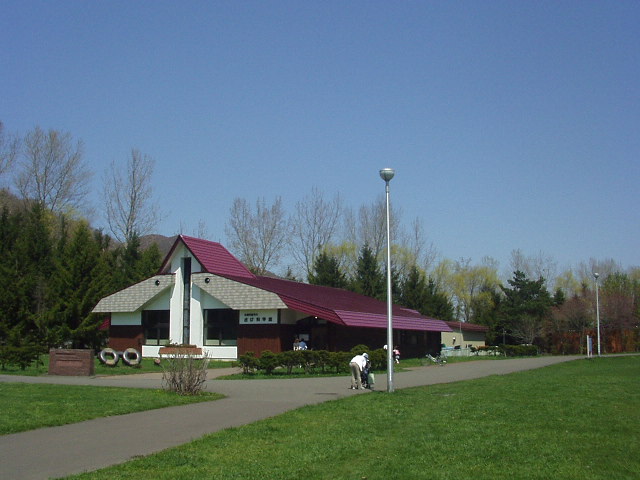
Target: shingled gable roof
[213,257]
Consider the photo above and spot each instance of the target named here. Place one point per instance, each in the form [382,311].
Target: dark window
[220,327]
[156,327]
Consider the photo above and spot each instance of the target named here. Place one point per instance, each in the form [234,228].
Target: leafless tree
[527,328]
[424,251]
[370,228]
[314,225]
[534,266]
[51,170]
[258,237]
[9,145]
[130,208]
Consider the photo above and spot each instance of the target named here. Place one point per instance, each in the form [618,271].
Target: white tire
[131,357]
[109,357]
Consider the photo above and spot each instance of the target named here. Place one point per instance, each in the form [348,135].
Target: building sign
[258,317]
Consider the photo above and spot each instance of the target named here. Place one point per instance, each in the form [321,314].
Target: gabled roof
[467,327]
[213,257]
[332,304]
[132,298]
[344,307]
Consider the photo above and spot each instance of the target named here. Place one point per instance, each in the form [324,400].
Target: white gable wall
[176,328]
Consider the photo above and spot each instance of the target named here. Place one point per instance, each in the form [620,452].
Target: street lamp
[596,275]
[387,174]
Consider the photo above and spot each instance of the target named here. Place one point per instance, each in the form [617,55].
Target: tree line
[321,241]
[55,270]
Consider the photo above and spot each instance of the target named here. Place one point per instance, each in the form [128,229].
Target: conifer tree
[326,271]
[369,280]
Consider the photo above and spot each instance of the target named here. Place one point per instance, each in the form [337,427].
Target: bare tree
[259,236]
[128,193]
[527,328]
[51,170]
[369,227]
[424,252]
[9,145]
[314,226]
[534,266]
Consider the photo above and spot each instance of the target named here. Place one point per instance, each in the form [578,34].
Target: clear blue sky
[510,124]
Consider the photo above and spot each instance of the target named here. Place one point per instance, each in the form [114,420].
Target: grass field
[146,366]
[576,420]
[29,406]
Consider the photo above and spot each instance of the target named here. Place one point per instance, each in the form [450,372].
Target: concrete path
[86,446]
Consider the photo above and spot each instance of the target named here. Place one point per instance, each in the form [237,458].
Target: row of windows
[220,327]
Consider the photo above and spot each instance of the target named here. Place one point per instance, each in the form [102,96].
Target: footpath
[59,451]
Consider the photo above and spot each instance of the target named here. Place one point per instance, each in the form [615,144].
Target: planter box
[74,362]
[181,350]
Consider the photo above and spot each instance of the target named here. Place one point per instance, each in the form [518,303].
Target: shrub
[184,373]
[268,361]
[322,360]
[291,358]
[310,360]
[248,362]
[359,349]
[20,356]
[520,350]
[378,359]
[339,361]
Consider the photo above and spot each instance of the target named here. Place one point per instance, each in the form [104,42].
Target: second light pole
[387,174]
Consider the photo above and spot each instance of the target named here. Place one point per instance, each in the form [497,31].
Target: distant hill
[164,243]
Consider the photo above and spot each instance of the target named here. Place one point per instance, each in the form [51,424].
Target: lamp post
[387,174]
[596,275]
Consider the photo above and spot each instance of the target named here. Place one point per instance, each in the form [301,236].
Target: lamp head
[596,275]
[387,174]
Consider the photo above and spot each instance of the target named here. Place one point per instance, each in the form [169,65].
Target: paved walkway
[86,446]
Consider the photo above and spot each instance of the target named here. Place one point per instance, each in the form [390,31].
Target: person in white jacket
[356,365]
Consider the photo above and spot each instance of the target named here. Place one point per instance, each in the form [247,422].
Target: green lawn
[576,420]
[146,366]
[29,406]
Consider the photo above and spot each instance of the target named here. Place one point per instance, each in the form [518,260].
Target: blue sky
[510,124]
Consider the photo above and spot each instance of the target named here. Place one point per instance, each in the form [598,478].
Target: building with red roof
[206,297]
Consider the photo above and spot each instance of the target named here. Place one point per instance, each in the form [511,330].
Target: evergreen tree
[423,296]
[326,271]
[150,261]
[558,297]
[10,226]
[33,268]
[414,290]
[438,305]
[525,306]
[79,284]
[126,261]
[369,280]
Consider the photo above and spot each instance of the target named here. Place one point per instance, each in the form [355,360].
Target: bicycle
[438,360]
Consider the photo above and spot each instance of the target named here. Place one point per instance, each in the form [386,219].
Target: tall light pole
[596,275]
[387,174]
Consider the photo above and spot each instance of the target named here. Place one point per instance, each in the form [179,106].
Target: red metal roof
[332,304]
[213,257]
[469,327]
[344,307]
